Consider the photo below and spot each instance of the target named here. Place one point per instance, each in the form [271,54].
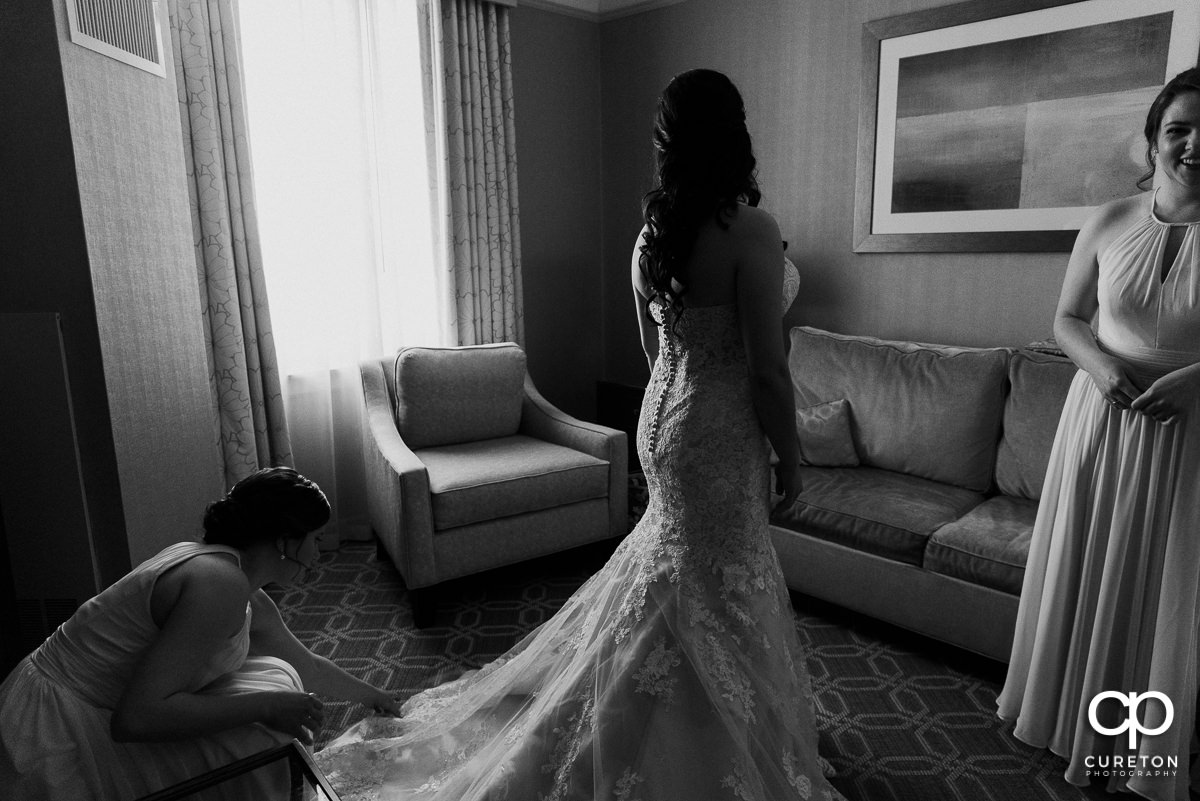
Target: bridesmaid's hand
[295,713]
[384,703]
[1170,396]
[1116,382]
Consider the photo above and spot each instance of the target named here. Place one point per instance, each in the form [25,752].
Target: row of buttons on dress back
[665,344]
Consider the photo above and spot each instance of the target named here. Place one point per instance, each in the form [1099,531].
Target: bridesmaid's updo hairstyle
[1186,81]
[268,504]
[704,166]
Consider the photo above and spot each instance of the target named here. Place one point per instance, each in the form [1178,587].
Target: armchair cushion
[476,481]
[446,396]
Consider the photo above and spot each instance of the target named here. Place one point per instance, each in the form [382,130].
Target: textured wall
[43,254]
[556,63]
[133,196]
[797,65]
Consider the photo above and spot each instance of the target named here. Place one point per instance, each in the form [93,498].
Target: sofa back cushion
[1038,387]
[445,396]
[931,411]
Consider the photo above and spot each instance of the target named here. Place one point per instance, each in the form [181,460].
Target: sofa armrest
[544,421]
[398,499]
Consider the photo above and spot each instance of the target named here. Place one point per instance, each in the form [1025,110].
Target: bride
[675,672]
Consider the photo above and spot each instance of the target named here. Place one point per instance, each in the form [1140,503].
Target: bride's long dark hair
[705,166]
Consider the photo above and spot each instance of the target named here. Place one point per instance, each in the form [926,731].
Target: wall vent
[126,30]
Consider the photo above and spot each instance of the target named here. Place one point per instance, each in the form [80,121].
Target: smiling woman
[1174,151]
[1110,601]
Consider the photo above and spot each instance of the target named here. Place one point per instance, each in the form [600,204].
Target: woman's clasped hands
[1163,400]
[1168,397]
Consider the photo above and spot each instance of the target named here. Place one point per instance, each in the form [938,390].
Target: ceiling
[600,10]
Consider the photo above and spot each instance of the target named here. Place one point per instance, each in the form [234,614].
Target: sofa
[922,467]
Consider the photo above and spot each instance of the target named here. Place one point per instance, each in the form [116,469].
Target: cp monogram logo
[1133,723]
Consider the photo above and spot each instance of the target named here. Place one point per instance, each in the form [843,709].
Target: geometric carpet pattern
[901,718]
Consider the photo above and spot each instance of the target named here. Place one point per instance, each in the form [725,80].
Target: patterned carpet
[901,718]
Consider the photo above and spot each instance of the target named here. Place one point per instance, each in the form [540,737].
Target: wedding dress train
[673,673]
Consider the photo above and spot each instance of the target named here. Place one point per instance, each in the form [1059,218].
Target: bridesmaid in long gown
[675,673]
[1110,600]
[182,666]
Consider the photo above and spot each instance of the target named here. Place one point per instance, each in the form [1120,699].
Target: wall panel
[556,77]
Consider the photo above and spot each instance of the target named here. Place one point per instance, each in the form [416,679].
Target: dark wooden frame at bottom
[299,760]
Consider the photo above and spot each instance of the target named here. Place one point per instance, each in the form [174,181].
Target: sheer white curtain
[338,138]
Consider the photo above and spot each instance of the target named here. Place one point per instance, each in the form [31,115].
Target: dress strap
[1154,215]
[182,551]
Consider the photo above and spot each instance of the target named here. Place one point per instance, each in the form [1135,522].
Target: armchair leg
[424,606]
[380,552]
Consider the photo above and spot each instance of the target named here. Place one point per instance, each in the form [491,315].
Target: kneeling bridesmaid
[182,666]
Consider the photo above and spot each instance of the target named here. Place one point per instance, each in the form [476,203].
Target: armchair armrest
[398,499]
[543,420]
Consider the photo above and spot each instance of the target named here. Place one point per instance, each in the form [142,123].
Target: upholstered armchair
[469,468]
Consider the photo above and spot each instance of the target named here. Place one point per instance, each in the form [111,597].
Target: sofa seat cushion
[877,511]
[986,546]
[494,478]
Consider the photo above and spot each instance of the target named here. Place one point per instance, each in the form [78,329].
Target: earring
[282,556]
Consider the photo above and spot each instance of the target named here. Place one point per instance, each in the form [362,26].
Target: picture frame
[999,125]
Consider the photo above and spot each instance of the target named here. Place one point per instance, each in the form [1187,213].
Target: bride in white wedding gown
[675,672]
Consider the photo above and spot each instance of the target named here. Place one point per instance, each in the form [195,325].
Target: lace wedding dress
[673,673]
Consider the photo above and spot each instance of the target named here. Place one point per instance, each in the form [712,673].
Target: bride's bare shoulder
[751,224]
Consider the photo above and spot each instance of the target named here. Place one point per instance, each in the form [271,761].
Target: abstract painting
[1003,132]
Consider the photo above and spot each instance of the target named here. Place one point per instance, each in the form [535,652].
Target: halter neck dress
[57,704]
[1111,596]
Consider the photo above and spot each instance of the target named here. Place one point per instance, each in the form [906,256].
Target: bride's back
[723,245]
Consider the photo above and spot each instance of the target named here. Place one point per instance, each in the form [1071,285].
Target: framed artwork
[998,125]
